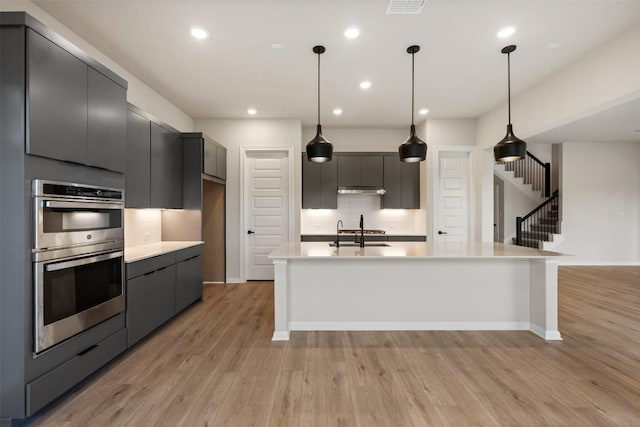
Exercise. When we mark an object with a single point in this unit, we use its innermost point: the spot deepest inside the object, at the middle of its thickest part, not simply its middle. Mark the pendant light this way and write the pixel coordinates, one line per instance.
(511, 148)
(319, 149)
(413, 149)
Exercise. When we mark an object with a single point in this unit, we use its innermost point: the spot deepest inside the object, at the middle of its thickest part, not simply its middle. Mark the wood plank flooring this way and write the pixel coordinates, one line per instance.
(215, 366)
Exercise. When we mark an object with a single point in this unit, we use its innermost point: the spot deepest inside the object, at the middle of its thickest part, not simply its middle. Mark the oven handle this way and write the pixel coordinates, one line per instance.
(90, 260)
(80, 205)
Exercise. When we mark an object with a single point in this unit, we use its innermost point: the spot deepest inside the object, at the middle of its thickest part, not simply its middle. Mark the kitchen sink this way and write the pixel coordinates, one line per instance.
(355, 245)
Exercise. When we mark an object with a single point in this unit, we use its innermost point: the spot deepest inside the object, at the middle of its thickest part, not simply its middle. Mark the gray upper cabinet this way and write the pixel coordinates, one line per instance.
(402, 182)
(221, 162)
(360, 170)
(57, 101)
(319, 184)
(166, 167)
(214, 159)
(138, 173)
(107, 123)
(75, 113)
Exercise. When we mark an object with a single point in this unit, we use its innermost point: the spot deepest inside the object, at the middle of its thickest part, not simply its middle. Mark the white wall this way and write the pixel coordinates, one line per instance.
(604, 77)
(516, 203)
(238, 133)
(138, 94)
(601, 202)
(359, 139)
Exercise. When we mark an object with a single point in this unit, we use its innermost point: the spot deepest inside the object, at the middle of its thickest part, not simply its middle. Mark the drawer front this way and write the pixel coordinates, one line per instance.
(188, 282)
(150, 302)
(56, 382)
(187, 253)
(144, 266)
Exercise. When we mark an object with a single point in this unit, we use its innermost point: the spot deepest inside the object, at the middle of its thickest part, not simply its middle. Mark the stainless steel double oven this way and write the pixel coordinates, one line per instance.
(77, 259)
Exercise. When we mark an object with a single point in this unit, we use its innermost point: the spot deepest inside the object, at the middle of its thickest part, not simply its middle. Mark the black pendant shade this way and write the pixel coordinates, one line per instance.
(413, 149)
(319, 149)
(510, 148)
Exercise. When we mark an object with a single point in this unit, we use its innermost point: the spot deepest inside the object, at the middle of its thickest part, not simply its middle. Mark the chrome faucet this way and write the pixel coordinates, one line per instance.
(338, 232)
(361, 231)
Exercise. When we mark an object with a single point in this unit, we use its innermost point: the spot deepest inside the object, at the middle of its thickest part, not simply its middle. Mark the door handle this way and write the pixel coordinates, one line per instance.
(251, 232)
(442, 232)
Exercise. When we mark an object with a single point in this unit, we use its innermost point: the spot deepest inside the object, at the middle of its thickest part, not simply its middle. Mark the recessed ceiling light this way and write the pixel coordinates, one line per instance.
(337, 111)
(277, 46)
(505, 32)
(553, 45)
(352, 33)
(423, 111)
(199, 33)
(252, 111)
(365, 84)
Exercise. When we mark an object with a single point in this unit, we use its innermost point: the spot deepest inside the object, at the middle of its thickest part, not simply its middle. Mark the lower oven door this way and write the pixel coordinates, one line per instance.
(71, 295)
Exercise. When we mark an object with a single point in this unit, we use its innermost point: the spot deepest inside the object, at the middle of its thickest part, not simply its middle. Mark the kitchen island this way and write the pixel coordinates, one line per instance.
(415, 286)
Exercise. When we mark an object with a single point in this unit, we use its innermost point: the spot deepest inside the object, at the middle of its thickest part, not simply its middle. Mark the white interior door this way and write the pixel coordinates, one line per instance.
(266, 210)
(452, 202)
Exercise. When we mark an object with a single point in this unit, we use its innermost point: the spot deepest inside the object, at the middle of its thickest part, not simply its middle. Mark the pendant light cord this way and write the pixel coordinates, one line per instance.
(413, 68)
(509, 84)
(318, 88)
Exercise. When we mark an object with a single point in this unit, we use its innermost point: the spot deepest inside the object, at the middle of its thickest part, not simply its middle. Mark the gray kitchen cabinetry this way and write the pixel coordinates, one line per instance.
(166, 167)
(75, 113)
(360, 170)
(107, 123)
(319, 184)
(159, 287)
(188, 277)
(154, 163)
(57, 101)
(402, 184)
(214, 159)
(138, 173)
(150, 295)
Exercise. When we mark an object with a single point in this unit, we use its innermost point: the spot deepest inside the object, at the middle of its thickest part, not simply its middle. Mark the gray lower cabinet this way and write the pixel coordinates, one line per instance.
(402, 182)
(319, 184)
(45, 389)
(159, 287)
(166, 167)
(188, 282)
(75, 113)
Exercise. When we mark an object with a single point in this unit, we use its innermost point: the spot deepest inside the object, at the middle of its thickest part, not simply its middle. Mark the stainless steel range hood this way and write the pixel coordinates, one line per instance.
(362, 190)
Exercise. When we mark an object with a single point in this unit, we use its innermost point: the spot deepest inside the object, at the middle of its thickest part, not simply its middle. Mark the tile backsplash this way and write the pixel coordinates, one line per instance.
(142, 226)
(350, 206)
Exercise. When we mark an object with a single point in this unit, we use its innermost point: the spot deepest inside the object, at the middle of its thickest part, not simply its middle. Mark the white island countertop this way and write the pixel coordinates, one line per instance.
(447, 250)
(140, 252)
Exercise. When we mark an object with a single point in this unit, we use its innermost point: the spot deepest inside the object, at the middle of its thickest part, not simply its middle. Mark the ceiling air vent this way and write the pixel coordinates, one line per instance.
(405, 7)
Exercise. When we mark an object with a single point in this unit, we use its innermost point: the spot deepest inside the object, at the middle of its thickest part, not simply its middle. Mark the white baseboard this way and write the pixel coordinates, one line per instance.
(280, 336)
(409, 326)
(213, 283)
(547, 335)
(598, 263)
(234, 280)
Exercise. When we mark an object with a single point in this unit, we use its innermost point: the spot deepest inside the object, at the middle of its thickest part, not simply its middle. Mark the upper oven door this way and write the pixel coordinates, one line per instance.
(68, 222)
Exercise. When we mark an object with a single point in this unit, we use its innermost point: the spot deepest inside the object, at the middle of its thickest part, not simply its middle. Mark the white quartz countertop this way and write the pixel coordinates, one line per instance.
(136, 253)
(291, 250)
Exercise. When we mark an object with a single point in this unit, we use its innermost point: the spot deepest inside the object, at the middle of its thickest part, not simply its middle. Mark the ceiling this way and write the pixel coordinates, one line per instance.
(620, 123)
(459, 70)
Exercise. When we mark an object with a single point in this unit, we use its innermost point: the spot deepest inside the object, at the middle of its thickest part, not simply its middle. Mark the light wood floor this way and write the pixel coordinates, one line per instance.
(215, 365)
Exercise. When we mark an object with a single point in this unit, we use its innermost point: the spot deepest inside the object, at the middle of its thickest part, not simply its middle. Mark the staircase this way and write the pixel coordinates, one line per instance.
(540, 228)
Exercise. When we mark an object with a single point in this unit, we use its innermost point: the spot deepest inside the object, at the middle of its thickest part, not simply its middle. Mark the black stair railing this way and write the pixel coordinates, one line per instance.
(534, 171)
(544, 212)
